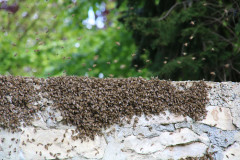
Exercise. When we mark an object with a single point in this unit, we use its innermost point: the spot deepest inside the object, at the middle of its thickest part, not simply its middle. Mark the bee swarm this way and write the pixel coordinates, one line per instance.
(91, 104)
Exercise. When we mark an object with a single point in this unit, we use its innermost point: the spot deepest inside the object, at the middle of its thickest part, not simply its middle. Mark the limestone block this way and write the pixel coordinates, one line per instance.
(141, 131)
(217, 136)
(235, 110)
(182, 125)
(133, 156)
(9, 145)
(167, 127)
(223, 93)
(114, 151)
(124, 132)
(180, 136)
(163, 118)
(219, 117)
(143, 146)
(52, 143)
(151, 145)
(232, 152)
(177, 152)
(237, 137)
(204, 138)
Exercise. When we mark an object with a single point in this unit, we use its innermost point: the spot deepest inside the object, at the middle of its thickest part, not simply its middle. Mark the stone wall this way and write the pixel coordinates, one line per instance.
(163, 136)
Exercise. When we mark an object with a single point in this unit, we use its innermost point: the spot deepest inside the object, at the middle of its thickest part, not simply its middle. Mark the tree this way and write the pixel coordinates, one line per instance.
(186, 39)
(49, 38)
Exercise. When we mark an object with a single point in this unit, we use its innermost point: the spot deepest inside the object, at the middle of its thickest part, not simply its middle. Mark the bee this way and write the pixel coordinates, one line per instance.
(39, 144)
(23, 143)
(96, 152)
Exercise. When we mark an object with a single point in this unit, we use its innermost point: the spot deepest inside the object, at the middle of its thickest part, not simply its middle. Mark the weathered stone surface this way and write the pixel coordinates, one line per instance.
(191, 150)
(151, 145)
(114, 151)
(237, 136)
(143, 146)
(146, 132)
(182, 125)
(40, 144)
(180, 136)
(218, 155)
(219, 117)
(164, 136)
(124, 132)
(223, 93)
(232, 153)
(167, 127)
(226, 94)
(204, 139)
(162, 118)
(235, 110)
(217, 136)
(9, 142)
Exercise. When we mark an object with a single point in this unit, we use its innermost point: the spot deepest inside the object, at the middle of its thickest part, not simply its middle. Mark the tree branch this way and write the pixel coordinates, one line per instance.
(220, 22)
(235, 69)
(169, 11)
(223, 38)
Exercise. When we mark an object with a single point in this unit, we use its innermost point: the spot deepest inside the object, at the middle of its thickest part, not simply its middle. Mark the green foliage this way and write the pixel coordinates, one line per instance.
(48, 38)
(187, 40)
(175, 39)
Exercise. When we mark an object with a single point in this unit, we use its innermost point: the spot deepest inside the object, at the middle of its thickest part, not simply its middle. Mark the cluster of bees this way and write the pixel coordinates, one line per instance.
(17, 95)
(92, 104)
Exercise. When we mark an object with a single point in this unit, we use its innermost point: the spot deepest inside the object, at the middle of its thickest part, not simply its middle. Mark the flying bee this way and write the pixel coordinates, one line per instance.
(220, 109)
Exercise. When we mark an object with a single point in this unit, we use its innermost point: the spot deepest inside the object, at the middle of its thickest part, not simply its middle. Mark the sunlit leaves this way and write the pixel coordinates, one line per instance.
(48, 38)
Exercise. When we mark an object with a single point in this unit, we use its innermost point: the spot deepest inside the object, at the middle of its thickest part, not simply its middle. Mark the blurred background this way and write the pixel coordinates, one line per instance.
(168, 39)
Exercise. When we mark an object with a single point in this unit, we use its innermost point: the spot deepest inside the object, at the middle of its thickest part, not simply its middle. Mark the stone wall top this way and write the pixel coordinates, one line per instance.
(82, 118)
(91, 104)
